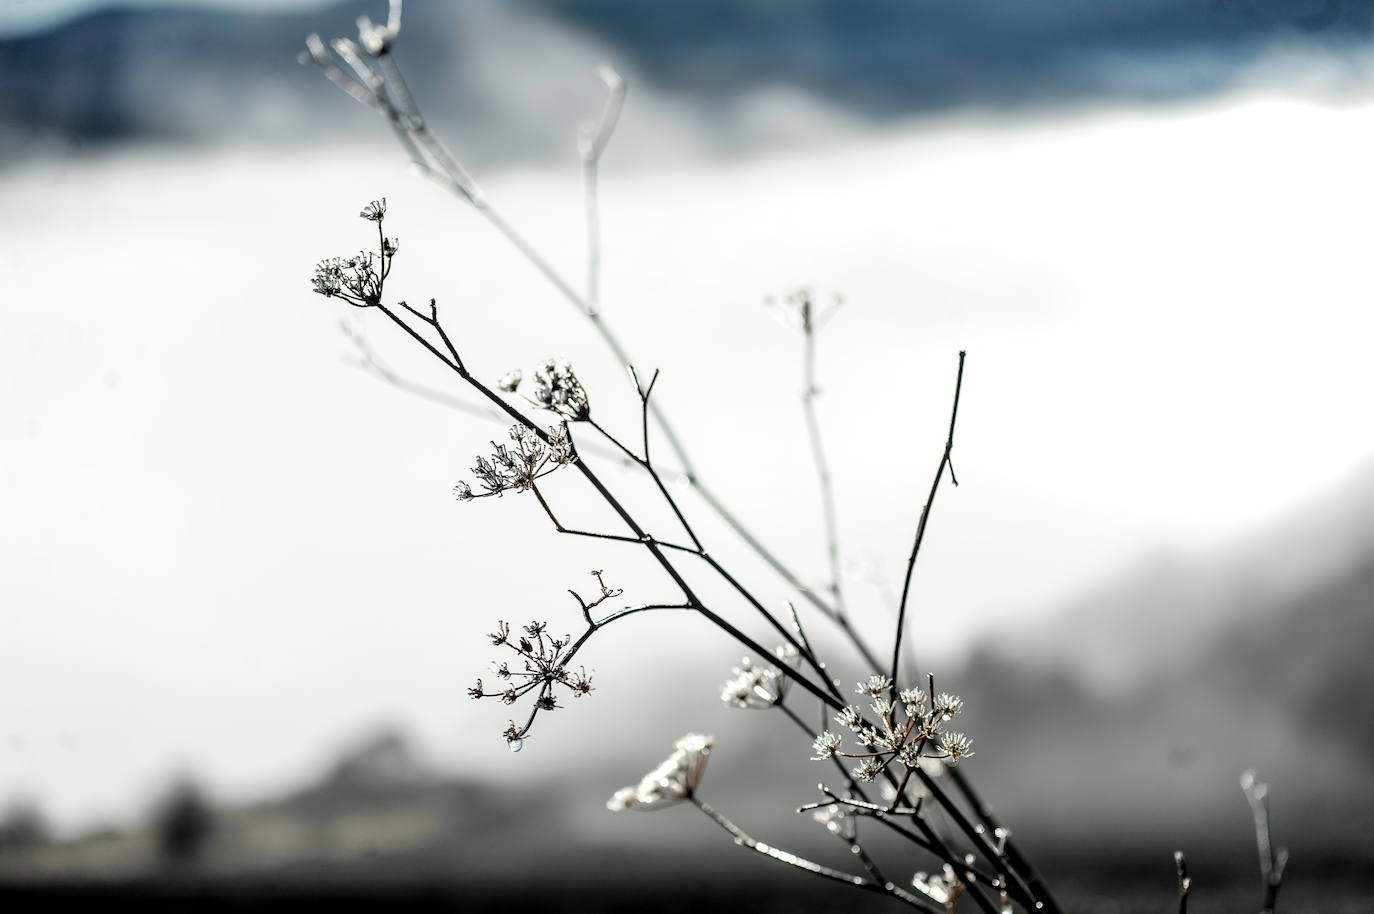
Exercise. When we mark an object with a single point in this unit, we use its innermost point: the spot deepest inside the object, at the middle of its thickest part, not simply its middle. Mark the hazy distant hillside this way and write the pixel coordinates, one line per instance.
(197, 74)
(1257, 660)
(1166, 613)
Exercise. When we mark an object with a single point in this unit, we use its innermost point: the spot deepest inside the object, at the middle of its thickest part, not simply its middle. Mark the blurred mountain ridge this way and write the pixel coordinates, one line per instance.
(1093, 778)
(504, 79)
(1168, 610)
(1255, 656)
(1085, 775)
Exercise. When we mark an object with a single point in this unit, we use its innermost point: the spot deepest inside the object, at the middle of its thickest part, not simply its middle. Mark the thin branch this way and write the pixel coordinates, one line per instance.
(1008, 848)
(431, 158)
(921, 526)
(974, 879)
(1184, 882)
(591, 144)
(1272, 861)
(810, 327)
(825, 872)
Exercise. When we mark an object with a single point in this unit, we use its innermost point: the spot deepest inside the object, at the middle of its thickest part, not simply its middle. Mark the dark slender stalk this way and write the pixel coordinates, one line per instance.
(625, 539)
(1184, 883)
(921, 527)
(981, 841)
(813, 430)
(1272, 862)
(928, 840)
(432, 158)
(825, 872)
(1011, 850)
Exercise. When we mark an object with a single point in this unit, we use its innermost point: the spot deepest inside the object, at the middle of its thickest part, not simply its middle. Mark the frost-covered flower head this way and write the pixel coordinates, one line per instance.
(876, 685)
(374, 211)
(540, 664)
(359, 279)
(556, 388)
(908, 733)
(673, 781)
(753, 686)
(516, 467)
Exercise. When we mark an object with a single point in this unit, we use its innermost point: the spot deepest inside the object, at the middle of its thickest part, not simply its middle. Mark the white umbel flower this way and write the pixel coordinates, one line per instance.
(675, 780)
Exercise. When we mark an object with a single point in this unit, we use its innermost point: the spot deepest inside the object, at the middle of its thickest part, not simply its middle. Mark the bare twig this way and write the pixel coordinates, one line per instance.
(591, 143)
(921, 526)
(811, 324)
(825, 872)
(1184, 882)
(384, 90)
(1272, 861)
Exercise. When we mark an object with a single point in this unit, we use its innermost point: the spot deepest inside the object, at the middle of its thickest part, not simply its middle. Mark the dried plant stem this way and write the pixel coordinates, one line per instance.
(386, 92)
(826, 692)
(592, 628)
(813, 431)
(803, 648)
(1272, 862)
(592, 143)
(810, 866)
(981, 840)
(641, 537)
(921, 525)
(1010, 850)
(1184, 882)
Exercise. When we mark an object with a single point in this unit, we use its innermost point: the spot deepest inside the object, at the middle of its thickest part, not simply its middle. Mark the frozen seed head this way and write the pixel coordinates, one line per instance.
(539, 668)
(948, 704)
(875, 686)
(556, 388)
(675, 780)
(374, 211)
(758, 687)
(354, 279)
(510, 381)
(867, 770)
(515, 469)
(825, 746)
(956, 746)
(907, 731)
